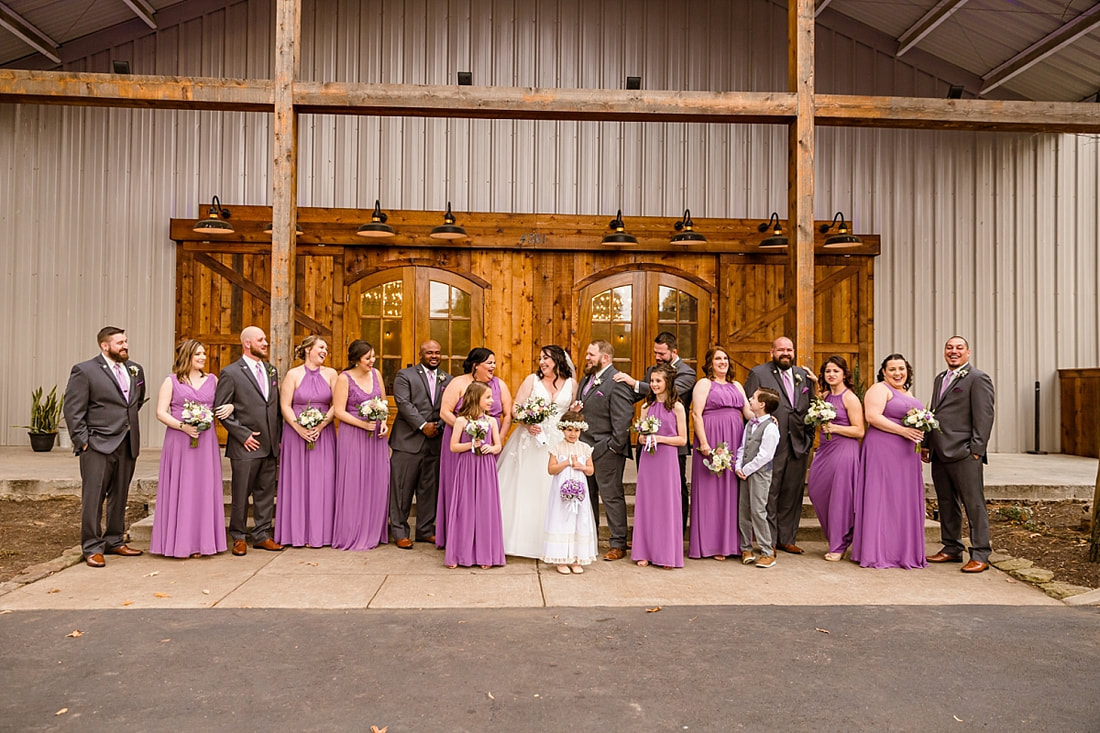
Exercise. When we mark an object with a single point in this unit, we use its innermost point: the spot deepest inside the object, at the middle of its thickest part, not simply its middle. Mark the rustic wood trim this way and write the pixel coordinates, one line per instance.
(645, 267)
(956, 114)
(415, 262)
(800, 174)
(931, 20)
(29, 34)
(1051, 43)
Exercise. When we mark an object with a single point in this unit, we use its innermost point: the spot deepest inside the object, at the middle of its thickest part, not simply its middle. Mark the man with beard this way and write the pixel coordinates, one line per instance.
(102, 400)
(794, 385)
(608, 407)
(254, 430)
(415, 440)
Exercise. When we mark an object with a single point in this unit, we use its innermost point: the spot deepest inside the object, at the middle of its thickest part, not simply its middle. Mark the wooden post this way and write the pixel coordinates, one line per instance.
(288, 23)
(800, 176)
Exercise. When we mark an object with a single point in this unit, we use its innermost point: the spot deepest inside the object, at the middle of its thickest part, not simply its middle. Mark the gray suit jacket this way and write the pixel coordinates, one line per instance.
(609, 411)
(684, 383)
(237, 386)
(966, 416)
(415, 407)
(96, 413)
(790, 417)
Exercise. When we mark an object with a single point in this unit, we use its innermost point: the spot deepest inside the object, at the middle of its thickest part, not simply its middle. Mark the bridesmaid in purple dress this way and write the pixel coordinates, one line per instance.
(718, 411)
(658, 519)
(362, 456)
(479, 366)
(475, 533)
(889, 530)
(189, 519)
(306, 496)
(835, 471)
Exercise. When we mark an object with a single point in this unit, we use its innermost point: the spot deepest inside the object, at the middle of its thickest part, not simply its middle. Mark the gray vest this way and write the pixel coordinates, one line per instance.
(752, 441)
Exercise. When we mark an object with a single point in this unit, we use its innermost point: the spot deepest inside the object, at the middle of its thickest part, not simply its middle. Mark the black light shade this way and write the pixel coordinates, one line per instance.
(269, 228)
(376, 227)
(843, 236)
(448, 230)
(777, 240)
(216, 221)
(687, 235)
(619, 235)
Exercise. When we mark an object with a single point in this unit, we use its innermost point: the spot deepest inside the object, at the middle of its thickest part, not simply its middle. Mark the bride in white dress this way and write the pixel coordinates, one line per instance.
(521, 470)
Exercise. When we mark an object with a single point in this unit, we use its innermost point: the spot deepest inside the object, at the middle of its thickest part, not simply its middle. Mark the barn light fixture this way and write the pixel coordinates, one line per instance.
(619, 235)
(687, 235)
(843, 236)
(448, 230)
(377, 227)
(216, 221)
(777, 240)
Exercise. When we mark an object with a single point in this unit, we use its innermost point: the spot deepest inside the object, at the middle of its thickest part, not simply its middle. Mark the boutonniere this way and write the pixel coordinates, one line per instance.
(439, 377)
(133, 370)
(797, 378)
(962, 373)
(270, 371)
(597, 381)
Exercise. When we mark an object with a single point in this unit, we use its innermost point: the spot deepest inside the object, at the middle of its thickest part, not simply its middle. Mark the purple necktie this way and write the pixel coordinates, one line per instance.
(261, 379)
(431, 384)
(946, 382)
(789, 385)
(123, 382)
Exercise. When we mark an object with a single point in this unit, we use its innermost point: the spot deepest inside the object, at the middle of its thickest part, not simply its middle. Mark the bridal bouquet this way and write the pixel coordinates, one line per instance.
(572, 493)
(198, 416)
(921, 419)
(533, 411)
(478, 430)
(310, 418)
(720, 459)
(820, 412)
(375, 409)
(647, 427)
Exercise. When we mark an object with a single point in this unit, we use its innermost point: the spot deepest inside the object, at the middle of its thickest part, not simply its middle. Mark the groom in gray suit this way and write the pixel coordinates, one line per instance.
(608, 407)
(255, 428)
(962, 399)
(415, 440)
(102, 400)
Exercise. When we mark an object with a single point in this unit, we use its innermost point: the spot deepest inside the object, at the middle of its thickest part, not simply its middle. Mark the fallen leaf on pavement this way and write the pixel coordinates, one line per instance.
(62, 711)
(653, 610)
(162, 595)
(54, 590)
(76, 634)
(311, 564)
(823, 631)
(490, 695)
(149, 575)
(206, 591)
(127, 603)
(376, 729)
(956, 717)
(162, 641)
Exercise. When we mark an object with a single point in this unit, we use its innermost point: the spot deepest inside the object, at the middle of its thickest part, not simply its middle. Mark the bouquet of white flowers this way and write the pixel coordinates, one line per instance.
(198, 416)
(533, 411)
(921, 419)
(478, 430)
(820, 412)
(720, 459)
(647, 427)
(310, 418)
(375, 409)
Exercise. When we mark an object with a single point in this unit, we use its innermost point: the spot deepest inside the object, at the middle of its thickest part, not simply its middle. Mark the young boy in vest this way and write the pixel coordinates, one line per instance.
(754, 468)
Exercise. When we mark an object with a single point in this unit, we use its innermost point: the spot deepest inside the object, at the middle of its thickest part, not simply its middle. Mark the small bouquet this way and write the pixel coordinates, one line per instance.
(198, 416)
(533, 412)
(478, 430)
(921, 419)
(310, 418)
(375, 409)
(820, 412)
(647, 427)
(573, 493)
(720, 459)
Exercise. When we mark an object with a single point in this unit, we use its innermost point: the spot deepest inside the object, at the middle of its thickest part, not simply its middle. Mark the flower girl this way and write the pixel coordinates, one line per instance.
(474, 532)
(570, 537)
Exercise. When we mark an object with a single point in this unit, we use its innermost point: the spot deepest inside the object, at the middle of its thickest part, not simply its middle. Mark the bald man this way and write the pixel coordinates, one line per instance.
(255, 428)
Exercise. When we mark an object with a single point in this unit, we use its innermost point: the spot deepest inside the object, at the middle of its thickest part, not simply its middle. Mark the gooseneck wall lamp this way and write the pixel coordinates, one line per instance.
(777, 240)
(687, 235)
(448, 229)
(843, 236)
(216, 221)
(618, 234)
(377, 227)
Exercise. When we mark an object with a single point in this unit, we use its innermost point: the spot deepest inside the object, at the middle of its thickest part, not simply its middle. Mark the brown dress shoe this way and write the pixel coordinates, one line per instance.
(942, 556)
(793, 549)
(430, 539)
(268, 544)
(405, 543)
(975, 566)
(240, 547)
(615, 553)
(124, 551)
(95, 561)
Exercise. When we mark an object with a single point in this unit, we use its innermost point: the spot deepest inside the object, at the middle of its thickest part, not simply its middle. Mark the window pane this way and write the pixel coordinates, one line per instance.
(460, 303)
(456, 366)
(389, 369)
(601, 332)
(460, 337)
(621, 303)
(391, 338)
(601, 307)
(439, 299)
(687, 338)
(620, 339)
(689, 308)
(439, 332)
(370, 331)
(392, 303)
(371, 303)
(666, 306)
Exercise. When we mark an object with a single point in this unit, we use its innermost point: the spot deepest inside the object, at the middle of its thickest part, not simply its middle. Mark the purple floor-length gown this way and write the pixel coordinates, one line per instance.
(658, 518)
(889, 526)
(190, 512)
(362, 478)
(447, 463)
(306, 498)
(834, 477)
(714, 497)
(475, 533)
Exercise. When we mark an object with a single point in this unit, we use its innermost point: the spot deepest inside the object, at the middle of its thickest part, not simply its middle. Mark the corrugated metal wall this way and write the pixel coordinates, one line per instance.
(988, 235)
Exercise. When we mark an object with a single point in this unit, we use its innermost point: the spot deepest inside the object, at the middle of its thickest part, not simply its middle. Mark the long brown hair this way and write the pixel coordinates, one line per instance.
(185, 352)
(471, 401)
(671, 396)
(708, 363)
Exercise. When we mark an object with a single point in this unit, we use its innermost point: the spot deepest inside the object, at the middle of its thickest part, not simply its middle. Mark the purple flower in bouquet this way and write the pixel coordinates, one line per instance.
(647, 428)
(572, 492)
(198, 416)
(921, 419)
(375, 409)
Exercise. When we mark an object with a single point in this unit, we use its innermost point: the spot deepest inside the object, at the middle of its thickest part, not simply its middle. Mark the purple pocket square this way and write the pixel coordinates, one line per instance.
(598, 392)
(957, 389)
(805, 390)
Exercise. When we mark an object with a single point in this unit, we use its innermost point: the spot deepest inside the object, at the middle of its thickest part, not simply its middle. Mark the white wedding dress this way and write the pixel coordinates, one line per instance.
(523, 479)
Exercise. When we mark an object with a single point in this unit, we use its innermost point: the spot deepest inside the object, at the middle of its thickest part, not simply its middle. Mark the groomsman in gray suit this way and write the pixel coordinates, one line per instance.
(255, 428)
(962, 398)
(795, 387)
(102, 400)
(608, 407)
(415, 440)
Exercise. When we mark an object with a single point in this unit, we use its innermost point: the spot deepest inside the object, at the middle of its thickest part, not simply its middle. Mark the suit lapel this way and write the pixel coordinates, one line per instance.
(250, 376)
(112, 377)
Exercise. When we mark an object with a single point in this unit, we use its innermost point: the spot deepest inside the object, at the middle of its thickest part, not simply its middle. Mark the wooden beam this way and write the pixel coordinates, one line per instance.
(288, 31)
(800, 175)
(931, 20)
(1049, 44)
(820, 5)
(143, 10)
(18, 26)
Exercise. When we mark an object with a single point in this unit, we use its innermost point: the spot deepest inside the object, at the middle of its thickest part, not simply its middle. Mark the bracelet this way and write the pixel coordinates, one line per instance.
(181, 424)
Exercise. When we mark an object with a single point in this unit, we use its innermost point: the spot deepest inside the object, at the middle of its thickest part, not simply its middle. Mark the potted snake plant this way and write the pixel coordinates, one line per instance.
(45, 417)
